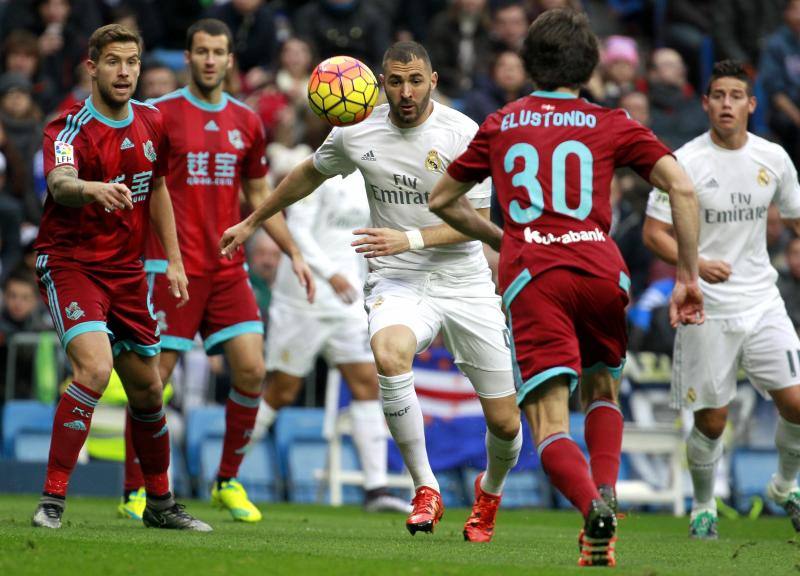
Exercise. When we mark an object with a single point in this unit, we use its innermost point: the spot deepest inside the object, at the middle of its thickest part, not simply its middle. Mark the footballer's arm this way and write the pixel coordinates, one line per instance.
(659, 238)
(686, 302)
(376, 242)
(299, 183)
(448, 202)
(163, 220)
(69, 190)
(257, 191)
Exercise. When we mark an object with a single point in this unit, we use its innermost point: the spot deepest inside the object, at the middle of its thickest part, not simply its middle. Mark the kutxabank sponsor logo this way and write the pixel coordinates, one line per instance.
(569, 237)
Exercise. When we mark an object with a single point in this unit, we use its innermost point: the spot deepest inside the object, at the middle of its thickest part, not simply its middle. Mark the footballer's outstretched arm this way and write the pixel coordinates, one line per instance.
(376, 242)
(163, 219)
(69, 190)
(299, 183)
(448, 202)
(257, 191)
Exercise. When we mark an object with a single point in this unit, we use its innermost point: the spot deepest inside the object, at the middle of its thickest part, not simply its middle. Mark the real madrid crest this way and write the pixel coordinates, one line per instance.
(763, 177)
(433, 162)
(691, 395)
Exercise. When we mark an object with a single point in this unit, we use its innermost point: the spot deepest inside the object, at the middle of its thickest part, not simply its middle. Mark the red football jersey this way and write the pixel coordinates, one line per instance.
(212, 147)
(130, 151)
(551, 157)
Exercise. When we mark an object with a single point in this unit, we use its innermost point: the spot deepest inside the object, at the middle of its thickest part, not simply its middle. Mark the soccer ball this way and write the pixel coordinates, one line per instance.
(342, 90)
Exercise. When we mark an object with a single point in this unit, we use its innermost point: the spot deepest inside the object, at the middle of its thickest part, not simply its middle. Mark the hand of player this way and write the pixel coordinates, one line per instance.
(178, 283)
(110, 195)
(380, 242)
(234, 237)
(304, 276)
(344, 290)
(713, 271)
(686, 304)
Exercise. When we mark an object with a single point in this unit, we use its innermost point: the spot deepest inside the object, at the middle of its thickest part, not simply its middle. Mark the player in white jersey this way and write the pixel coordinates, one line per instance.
(334, 325)
(424, 276)
(736, 175)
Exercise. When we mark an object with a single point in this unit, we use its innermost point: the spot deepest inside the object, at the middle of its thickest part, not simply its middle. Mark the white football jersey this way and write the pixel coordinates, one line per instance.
(400, 167)
(734, 190)
(322, 225)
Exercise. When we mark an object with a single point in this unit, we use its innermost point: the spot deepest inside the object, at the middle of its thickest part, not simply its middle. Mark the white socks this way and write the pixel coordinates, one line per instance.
(787, 440)
(369, 436)
(501, 457)
(404, 417)
(703, 454)
(264, 419)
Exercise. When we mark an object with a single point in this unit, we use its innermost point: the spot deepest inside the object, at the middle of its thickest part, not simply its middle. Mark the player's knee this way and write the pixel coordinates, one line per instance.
(507, 429)
(711, 425)
(280, 396)
(145, 395)
(790, 413)
(250, 378)
(93, 373)
(392, 358)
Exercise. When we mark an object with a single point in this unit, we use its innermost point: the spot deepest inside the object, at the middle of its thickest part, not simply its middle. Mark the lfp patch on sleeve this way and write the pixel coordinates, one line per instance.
(64, 153)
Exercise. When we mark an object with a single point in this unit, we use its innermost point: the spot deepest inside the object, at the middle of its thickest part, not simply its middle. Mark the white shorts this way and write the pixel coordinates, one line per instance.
(707, 357)
(295, 339)
(465, 309)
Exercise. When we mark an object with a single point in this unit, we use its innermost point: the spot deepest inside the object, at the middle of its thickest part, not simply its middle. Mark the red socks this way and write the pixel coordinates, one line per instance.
(134, 479)
(150, 438)
(603, 435)
(568, 471)
(240, 418)
(70, 428)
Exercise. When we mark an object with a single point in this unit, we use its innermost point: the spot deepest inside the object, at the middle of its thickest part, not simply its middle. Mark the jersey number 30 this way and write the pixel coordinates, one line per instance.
(528, 178)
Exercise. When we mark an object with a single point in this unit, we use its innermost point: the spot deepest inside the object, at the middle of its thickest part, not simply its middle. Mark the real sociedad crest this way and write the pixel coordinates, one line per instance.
(150, 151)
(235, 138)
(73, 311)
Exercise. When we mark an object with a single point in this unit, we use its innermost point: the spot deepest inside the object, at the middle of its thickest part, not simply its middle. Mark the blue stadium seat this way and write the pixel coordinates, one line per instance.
(200, 424)
(27, 425)
(293, 425)
(751, 470)
(304, 458)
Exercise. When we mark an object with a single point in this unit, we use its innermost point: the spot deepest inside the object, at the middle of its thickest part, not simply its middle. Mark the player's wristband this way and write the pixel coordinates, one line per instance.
(415, 240)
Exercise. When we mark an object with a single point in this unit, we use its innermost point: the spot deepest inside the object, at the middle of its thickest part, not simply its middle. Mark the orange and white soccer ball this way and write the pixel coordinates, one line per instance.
(342, 90)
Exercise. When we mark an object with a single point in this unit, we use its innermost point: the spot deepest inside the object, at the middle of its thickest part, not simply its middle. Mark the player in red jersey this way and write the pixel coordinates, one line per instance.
(105, 164)
(216, 147)
(552, 157)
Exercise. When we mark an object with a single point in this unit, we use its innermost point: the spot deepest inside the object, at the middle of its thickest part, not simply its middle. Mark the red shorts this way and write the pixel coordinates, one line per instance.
(221, 306)
(113, 300)
(565, 322)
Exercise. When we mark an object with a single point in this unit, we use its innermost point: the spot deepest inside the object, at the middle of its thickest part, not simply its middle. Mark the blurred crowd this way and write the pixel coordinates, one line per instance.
(656, 55)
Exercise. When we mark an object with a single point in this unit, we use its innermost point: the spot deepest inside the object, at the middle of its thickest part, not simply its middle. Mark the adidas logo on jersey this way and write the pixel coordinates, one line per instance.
(369, 156)
(126, 144)
(712, 183)
(211, 126)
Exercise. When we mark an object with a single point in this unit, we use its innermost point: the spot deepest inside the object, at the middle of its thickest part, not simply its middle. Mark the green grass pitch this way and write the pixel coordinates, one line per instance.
(299, 540)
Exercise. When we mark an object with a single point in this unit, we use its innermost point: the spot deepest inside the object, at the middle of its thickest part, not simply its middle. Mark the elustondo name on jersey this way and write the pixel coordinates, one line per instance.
(571, 118)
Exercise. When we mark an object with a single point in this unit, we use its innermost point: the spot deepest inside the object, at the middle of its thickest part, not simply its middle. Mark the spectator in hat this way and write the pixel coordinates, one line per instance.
(619, 64)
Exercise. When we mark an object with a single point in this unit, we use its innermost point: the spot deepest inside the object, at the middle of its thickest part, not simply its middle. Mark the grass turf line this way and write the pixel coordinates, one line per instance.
(307, 539)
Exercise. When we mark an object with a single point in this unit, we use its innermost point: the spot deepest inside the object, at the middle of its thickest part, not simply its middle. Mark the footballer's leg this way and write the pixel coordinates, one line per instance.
(503, 445)
(244, 354)
(783, 487)
(91, 359)
(603, 429)
(394, 348)
(138, 370)
(369, 437)
(546, 408)
(134, 493)
(703, 452)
